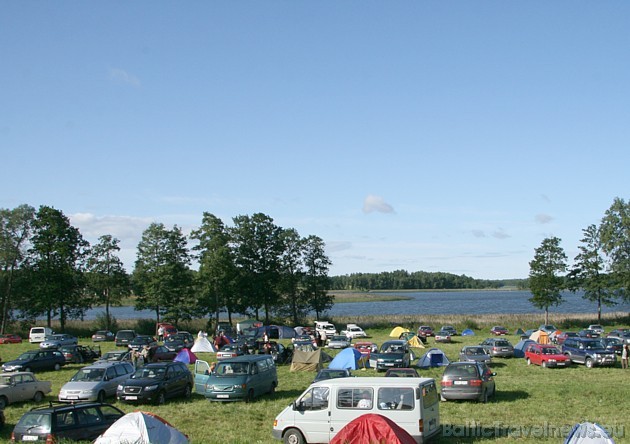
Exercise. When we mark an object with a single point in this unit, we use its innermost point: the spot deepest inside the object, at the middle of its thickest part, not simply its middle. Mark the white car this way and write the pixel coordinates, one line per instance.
(353, 331)
(596, 328)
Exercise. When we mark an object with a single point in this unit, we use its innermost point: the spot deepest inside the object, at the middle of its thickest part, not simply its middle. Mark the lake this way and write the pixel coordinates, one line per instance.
(429, 302)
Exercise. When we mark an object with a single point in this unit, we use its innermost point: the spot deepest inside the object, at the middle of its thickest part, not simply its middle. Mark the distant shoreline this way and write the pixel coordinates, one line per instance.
(352, 296)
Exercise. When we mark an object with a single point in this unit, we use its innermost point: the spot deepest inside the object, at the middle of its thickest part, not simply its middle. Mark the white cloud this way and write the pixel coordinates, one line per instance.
(500, 234)
(543, 218)
(120, 75)
(376, 203)
(478, 233)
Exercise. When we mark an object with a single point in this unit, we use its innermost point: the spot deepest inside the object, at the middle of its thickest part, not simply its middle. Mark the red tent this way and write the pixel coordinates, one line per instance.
(372, 429)
(185, 356)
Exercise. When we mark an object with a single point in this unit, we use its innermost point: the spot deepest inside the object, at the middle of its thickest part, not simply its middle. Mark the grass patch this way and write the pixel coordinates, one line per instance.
(528, 397)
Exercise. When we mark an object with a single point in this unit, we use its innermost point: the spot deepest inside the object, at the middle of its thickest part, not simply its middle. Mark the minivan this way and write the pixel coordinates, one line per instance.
(96, 382)
(39, 334)
(237, 379)
(124, 337)
(319, 413)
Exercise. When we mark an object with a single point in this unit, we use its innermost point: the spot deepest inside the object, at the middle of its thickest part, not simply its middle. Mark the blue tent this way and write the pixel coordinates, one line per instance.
(349, 358)
(468, 332)
(275, 332)
(185, 356)
(519, 349)
(433, 358)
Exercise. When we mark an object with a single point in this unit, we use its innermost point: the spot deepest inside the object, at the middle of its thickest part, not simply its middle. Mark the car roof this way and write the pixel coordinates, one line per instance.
(55, 406)
(103, 364)
(373, 381)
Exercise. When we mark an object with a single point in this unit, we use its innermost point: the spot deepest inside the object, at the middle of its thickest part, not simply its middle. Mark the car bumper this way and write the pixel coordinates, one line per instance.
(468, 394)
(225, 396)
(76, 398)
(558, 364)
(386, 365)
(276, 434)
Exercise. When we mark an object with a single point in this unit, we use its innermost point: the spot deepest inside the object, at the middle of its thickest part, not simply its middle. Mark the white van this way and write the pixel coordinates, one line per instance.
(327, 406)
(39, 334)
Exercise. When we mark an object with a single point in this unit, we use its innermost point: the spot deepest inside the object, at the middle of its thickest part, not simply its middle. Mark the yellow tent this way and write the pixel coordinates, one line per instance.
(396, 332)
(540, 336)
(415, 342)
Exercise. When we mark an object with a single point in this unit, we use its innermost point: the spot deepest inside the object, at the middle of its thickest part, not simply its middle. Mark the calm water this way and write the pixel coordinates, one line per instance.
(439, 302)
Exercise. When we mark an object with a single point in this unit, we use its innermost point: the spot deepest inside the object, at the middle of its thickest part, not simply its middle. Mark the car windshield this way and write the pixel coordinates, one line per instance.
(391, 348)
(475, 351)
(89, 375)
(32, 421)
(27, 356)
(232, 368)
(150, 372)
(338, 338)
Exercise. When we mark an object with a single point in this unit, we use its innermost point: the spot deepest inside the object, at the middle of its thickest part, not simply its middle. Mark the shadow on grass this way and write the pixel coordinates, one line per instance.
(509, 396)
(495, 364)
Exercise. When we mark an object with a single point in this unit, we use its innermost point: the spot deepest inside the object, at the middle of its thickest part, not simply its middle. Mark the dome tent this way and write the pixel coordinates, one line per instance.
(433, 358)
(141, 428)
(372, 428)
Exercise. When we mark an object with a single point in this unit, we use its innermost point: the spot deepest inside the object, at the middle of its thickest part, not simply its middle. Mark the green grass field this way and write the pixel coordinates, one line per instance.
(533, 404)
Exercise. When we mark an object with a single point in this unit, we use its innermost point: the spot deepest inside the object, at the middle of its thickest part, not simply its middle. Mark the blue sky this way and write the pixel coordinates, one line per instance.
(416, 135)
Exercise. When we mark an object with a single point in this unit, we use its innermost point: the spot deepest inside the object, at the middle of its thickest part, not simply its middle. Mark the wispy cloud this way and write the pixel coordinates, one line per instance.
(376, 203)
(120, 75)
(543, 218)
(478, 233)
(500, 234)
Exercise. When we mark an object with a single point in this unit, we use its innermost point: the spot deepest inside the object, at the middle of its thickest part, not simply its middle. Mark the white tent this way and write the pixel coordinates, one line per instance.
(141, 428)
(203, 345)
(588, 432)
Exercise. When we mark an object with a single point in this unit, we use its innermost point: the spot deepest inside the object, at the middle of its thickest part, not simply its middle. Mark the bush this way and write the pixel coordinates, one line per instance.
(145, 326)
(470, 323)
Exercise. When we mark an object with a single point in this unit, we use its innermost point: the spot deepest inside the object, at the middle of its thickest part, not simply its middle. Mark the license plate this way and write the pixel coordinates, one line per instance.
(73, 397)
(460, 382)
(29, 438)
(223, 396)
(131, 398)
(388, 364)
(506, 350)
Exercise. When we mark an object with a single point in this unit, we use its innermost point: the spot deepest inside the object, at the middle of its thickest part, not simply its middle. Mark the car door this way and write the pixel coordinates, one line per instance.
(202, 374)
(40, 362)
(28, 386)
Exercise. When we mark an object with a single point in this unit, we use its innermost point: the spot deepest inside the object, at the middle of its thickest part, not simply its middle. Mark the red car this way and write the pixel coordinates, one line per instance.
(546, 356)
(561, 337)
(366, 348)
(10, 339)
(425, 331)
(497, 330)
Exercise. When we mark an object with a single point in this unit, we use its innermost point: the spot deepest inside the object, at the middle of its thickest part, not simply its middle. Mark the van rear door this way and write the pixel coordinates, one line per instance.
(430, 410)
(202, 374)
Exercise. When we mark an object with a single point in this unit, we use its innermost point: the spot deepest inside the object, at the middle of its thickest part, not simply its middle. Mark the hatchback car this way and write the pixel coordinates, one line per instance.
(450, 329)
(393, 353)
(96, 382)
(366, 348)
(474, 353)
(22, 386)
(103, 336)
(161, 354)
(621, 333)
(36, 360)
(78, 354)
(76, 422)
(330, 373)
(425, 331)
(596, 327)
(137, 343)
(157, 382)
(467, 380)
(498, 347)
(545, 356)
(229, 351)
(339, 342)
(124, 337)
(10, 339)
(563, 336)
(353, 331)
(443, 336)
(57, 341)
(498, 330)
(179, 340)
(586, 333)
(116, 355)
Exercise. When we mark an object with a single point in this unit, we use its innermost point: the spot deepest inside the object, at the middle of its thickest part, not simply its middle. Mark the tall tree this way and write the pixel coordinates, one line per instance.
(217, 269)
(292, 272)
(258, 246)
(57, 262)
(544, 280)
(615, 238)
(316, 280)
(588, 272)
(15, 231)
(106, 277)
(162, 277)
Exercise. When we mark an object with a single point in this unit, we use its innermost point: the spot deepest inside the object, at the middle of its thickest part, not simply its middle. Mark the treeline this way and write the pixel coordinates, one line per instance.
(253, 267)
(404, 280)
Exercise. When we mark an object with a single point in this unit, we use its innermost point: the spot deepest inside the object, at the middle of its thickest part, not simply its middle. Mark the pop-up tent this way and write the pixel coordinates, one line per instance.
(468, 332)
(141, 428)
(372, 428)
(186, 356)
(519, 348)
(519, 332)
(588, 432)
(415, 342)
(304, 361)
(433, 358)
(540, 336)
(349, 358)
(203, 345)
(397, 331)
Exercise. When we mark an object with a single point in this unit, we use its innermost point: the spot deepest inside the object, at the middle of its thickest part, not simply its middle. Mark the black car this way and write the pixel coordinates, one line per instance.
(34, 360)
(78, 354)
(140, 341)
(467, 380)
(179, 340)
(76, 422)
(124, 337)
(612, 344)
(156, 383)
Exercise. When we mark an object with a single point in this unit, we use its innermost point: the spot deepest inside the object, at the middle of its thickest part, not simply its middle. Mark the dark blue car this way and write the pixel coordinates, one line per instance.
(35, 360)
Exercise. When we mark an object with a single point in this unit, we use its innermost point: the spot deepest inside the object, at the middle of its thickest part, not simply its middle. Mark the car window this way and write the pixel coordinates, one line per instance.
(429, 395)
(110, 373)
(64, 420)
(108, 412)
(355, 398)
(395, 398)
(89, 416)
(314, 399)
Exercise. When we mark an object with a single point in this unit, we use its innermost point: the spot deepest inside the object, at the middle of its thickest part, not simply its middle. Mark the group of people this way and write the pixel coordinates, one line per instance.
(141, 356)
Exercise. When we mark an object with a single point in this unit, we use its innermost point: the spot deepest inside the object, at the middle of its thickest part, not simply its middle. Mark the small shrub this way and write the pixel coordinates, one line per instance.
(145, 326)
(470, 323)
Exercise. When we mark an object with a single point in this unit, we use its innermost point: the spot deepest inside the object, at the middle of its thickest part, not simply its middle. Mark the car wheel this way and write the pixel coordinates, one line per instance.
(100, 397)
(250, 396)
(3, 402)
(544, 364)
(57, 366)
(293, 436)
(161, 399)
(38, 397)
(588, 363)
(529, 362)
(187, 392)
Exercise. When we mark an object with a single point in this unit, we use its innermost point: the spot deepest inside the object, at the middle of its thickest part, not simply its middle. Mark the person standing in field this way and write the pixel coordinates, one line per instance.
(624, 355)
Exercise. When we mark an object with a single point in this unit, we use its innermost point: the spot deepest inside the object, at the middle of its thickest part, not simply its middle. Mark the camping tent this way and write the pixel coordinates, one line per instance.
(186, 356)
(588, 432)
(141, 428)
(519, 332)
(468, 332)
(433, 358)
(397, 331)
(540, 336)
(349, 358)
(203, 345)
(306, 360)
(372, 428)
(275, 332)
(415, 342)
(519, 348)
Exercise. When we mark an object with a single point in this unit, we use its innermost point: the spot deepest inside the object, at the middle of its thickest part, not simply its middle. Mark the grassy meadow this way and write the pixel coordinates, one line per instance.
(532, 404)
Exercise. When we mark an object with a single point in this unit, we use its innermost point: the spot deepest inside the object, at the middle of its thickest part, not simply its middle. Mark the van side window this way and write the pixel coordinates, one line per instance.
(314, 399)
(396, 398)
(429, 395)
(355, 398)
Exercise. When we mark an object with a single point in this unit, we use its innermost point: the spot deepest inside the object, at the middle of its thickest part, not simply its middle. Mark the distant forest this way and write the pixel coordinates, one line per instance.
(418, 280)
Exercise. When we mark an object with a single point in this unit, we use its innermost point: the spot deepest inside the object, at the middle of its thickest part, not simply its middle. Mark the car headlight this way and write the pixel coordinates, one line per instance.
(380, 360)
(552, 360)
(120, 387)
(399, 360)
(149, 388)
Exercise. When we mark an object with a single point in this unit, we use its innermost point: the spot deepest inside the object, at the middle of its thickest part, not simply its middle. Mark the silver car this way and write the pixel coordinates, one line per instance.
(498, 347)
(96, 382)
(57, 341)
(474, 353)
